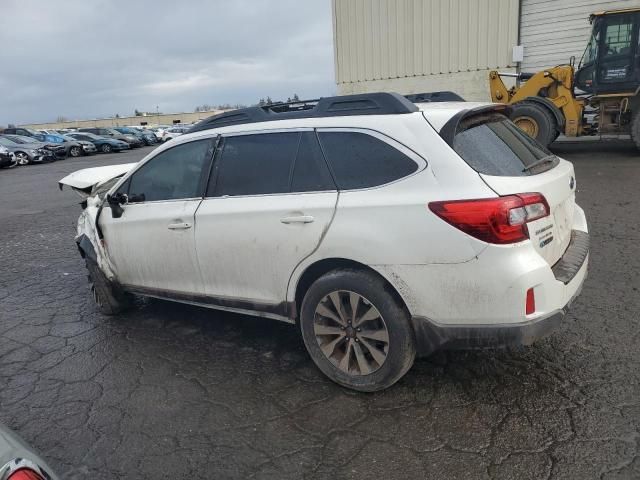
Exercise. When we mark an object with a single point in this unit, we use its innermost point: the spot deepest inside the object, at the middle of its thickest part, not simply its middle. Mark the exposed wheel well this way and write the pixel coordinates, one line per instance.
(321, 267)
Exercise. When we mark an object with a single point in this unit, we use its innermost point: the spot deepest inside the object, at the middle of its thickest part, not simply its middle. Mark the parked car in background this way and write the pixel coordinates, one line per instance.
(88, 148)
(103, 144)
(56, 148)
(18, 461)
(26, 153)
(132, 140)
(7, 158)
(173, 132)
(27, 132)
(71, 147)
(159, 130)
(148, 138)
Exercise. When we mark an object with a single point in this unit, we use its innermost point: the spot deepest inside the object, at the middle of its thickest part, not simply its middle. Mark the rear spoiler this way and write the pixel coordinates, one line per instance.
(449, 129)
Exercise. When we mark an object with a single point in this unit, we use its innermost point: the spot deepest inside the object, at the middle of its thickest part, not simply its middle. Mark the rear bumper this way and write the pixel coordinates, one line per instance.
(570, 272)
(431, 336)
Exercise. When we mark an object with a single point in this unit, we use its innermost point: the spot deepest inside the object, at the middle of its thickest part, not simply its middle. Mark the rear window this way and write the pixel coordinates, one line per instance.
(492, 144)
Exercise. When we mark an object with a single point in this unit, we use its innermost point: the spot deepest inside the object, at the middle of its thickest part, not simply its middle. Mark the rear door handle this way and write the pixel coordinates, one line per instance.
(179, 226)
(297, 219)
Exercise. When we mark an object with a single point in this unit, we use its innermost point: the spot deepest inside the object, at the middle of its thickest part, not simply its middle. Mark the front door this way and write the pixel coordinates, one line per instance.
(270, 199)
(152, 245)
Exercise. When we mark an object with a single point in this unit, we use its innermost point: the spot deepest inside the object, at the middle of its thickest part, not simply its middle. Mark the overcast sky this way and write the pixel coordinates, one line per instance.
(87, 59)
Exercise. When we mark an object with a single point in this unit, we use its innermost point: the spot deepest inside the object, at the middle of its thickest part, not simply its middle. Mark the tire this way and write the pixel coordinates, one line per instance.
(635, 129)
(535, 120)
(367, 368)
(22, 158)
(105, 148)
(75, 151)
(109, 299)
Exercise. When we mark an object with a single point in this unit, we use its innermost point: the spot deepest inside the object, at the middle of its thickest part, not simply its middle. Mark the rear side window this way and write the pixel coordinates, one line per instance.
(256, 164)
(359, 160)
(493, 145)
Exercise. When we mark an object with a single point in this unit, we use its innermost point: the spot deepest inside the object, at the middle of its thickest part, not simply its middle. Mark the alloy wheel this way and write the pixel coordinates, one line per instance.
(22, 158)
(351, 332)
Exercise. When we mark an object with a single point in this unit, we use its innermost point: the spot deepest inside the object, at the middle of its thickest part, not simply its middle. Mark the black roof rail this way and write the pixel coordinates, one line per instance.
(380, 103)
(425, 97)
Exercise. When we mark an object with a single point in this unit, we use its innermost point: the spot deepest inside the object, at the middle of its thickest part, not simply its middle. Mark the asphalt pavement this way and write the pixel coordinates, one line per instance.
(173, 391)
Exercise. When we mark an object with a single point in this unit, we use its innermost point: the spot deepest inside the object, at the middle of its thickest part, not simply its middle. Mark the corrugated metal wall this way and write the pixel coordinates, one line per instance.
(383, 39)
(554, 30)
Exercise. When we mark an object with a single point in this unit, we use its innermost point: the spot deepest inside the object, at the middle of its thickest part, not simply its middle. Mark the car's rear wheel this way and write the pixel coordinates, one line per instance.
(22, 158)
(105, 148)
(75, 151)
(109, 299)
(356, 330)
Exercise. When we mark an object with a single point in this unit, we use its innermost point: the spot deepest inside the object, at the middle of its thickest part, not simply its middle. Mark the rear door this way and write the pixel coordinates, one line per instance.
(270, 199)
(510, 162)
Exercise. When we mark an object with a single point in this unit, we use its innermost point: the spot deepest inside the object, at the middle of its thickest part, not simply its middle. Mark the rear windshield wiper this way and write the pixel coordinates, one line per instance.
(547, 159)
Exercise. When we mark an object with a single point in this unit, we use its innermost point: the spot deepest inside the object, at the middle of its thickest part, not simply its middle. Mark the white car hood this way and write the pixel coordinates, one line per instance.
(83, 181)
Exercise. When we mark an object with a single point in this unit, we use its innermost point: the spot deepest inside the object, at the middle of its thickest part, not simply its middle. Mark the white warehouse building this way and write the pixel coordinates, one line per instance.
(415, 46)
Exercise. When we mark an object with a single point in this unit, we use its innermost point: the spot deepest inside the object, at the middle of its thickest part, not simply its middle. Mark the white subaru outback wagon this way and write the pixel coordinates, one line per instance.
(382, 228)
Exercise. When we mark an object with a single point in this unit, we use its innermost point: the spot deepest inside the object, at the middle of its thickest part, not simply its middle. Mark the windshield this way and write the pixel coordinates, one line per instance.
(115, 132)
(492, 144)
(591, 52)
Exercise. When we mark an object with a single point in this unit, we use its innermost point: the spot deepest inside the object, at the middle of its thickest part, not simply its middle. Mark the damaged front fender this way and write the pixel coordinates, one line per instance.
(88, 239)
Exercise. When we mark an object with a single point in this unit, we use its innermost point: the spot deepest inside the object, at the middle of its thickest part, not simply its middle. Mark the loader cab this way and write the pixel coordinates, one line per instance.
(611, 61)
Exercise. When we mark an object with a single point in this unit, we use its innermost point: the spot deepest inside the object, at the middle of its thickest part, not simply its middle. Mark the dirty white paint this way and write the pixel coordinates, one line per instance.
(237, 248)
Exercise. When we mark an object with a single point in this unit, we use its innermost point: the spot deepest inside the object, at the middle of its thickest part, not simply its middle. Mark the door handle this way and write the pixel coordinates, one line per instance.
(297, 219)
(179, 226)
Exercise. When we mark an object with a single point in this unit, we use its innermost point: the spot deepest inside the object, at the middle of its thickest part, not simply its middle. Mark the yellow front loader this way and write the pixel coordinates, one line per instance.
(600, 97)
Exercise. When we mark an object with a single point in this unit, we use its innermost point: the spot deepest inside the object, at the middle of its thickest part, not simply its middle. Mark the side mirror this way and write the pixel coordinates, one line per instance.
(115, 201)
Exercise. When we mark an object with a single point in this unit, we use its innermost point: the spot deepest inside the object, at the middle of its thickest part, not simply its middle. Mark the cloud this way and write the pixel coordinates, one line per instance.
(86, 59)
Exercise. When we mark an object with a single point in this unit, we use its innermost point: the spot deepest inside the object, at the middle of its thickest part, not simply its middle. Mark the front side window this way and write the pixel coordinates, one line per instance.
(174, 174)
(359, 160)
(255, 164)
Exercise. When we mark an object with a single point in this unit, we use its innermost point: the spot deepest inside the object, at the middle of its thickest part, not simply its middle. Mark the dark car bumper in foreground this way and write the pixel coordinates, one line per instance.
(432, 336)
(7, 160)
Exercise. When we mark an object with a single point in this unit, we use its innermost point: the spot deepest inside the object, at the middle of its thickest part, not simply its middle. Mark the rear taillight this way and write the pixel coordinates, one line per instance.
(25, 474)
(494, 220)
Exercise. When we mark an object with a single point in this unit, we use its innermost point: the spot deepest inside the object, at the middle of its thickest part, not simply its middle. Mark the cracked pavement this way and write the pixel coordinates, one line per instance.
(173, 391)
